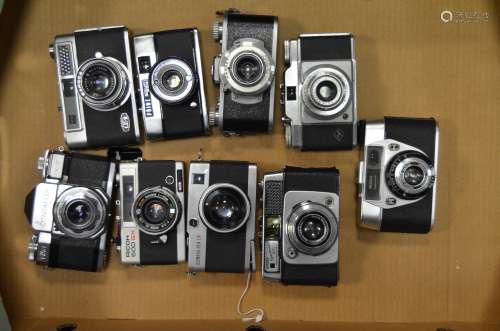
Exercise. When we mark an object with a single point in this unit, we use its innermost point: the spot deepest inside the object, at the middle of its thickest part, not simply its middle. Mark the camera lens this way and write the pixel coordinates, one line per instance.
(155, 211)
(99, 81)
(103, 83)
(248, 69)
(225, 208)
(78, 213)
(172, 80)
(414, 175)
(326, 91)
(410, 175)
(313, 229)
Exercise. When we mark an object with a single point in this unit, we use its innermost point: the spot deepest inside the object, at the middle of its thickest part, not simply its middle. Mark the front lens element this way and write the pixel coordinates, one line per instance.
(78, 213)
(99, 81)
(248, 69)
(225, 208)
(313, 229)
(172, 80)
(414, 175)
(326, 91)
(155, 211)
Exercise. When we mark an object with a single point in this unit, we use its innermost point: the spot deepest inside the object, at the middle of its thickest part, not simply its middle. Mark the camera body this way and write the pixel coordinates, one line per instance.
(300, 244)
(245, 71)
(319, 92)
(172, 90)
(150, 212)
(398, 175)
(97, 99)
(69, 211)
(221, 216)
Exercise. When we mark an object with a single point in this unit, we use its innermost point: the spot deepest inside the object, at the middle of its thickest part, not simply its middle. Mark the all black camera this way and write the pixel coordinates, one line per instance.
(171, 85)
(97, 99)
(245, 71)
(300, 243)
(398, 175)
(69, 211)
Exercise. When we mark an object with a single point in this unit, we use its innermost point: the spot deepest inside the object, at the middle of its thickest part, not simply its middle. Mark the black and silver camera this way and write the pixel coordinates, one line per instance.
(319, 92)
(300, 243)
(97, 99)
(397, 175)
(221, 216)
(69, 211)
(245, 71)
(172, 90)
(150, 212)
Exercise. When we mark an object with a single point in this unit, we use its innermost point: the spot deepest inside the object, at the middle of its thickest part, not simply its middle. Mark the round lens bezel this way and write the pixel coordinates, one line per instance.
(315, 242)
(165, 94)
(396, 168)
(162, 194)
(299, 213)
(241, 48)
(316, 104)
(98, 212)
(122, 85)
(205, 219)
(235, 72)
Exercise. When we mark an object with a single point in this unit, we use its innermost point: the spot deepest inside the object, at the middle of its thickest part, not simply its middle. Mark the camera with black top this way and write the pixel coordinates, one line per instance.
(221, 216)
(172, 91)
(398, 174)
(150, 212)
(245, 71)
(300, 243)
(70, 211)
(95, 80)
(319, 92)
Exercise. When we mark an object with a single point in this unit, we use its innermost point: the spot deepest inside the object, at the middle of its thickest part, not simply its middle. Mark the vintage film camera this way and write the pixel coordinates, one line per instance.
(245, 70)
(221, 216)
(300, 243)
(97, 99)
(172, 91)
(319, 92)
(150, 212)
(398, 174)
(69, 211)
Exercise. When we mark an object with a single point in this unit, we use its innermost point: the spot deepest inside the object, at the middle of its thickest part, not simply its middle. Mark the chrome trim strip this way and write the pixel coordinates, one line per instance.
(434, 189)
(199, 70)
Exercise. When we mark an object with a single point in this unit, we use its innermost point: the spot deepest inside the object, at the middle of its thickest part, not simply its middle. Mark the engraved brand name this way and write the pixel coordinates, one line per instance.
(197, 252)
(130, 248)
(45, 208)
(148, 107)
(125, 122)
